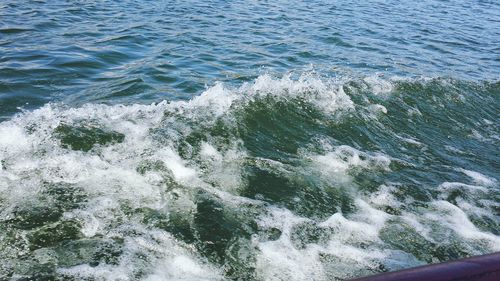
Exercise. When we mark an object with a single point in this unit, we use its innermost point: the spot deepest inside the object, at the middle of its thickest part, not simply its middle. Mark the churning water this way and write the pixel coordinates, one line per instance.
(246, 140)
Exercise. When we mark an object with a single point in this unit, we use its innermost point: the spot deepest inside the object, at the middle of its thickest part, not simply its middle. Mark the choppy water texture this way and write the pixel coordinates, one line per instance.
(246, 140)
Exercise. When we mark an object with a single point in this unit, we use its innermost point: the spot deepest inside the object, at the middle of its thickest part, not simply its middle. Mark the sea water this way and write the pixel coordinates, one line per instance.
(246, 140)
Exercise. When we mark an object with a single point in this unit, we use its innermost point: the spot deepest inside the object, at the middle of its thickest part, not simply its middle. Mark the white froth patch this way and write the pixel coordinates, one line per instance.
(177, 165)
(282, 219)
(447, 187)
(102, 272)
(279, 260)
(177, 261)
(222, 169)
(90, 224)
(414, 112)
(171, 261)
(479, 178)
(361, 226)
(384, 197)
(469, 208)
(217, 98)
(339, 162)
(208, 151)
(454, 218)
(377, 109)
(414, 221)
(12, 138)
(111, 182)
(355, 257)
(282, 259)
(336, 101)
(183, 268)
(350, 230)
(109, 178)
(378, 85)
(329, 98)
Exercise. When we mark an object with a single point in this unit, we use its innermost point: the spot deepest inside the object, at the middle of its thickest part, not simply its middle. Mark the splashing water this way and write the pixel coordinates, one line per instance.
(280, 178)
(246, 140)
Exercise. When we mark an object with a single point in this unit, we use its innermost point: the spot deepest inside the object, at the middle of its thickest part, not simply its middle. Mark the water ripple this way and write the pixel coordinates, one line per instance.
(73, 46)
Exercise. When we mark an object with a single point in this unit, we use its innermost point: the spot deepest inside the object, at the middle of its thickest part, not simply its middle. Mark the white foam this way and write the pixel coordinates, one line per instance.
(183, 268)
(173, 161)
(338, 163)
(377, 108)
(12, 138)
(330, 98)
(410, 140)
(109, 177)
(479, 178)
(384, 197)
(414, 111)
(446, 187)
(103, 272)
(378, 85)
(413, 220)
(470, 208)
(207, 150)
(217, 98)
(454, 218)
(281, 258)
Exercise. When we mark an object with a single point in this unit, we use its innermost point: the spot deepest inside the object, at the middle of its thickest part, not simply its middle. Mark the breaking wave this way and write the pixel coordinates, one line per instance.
(278, 179)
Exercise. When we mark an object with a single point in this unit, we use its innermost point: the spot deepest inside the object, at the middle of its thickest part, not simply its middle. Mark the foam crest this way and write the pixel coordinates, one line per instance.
(110, 156)
(456, 219)
(378, 85)
(333, 248)
(219, 187)
(479, 178)
(327, 96)
(344, 159)
(108, 177)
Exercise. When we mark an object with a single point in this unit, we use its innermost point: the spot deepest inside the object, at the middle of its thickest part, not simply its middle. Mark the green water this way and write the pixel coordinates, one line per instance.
(246, 140)
(279, 178)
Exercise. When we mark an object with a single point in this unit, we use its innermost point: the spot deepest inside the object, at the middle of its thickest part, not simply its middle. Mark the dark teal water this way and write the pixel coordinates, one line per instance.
(246, 140)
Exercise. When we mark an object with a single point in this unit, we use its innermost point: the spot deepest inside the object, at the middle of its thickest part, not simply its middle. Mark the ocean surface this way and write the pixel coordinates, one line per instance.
(246, 140)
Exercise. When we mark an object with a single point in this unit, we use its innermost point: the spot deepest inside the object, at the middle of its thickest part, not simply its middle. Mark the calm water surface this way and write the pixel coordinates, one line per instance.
(246, 140)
